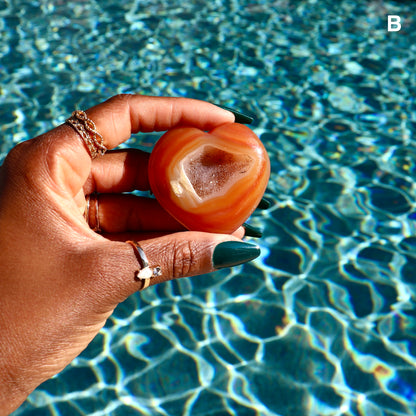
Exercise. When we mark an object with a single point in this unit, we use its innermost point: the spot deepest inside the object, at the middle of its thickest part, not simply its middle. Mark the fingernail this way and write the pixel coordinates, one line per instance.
(233, 253)
(240, 117)
(251, 231)
(264, 204)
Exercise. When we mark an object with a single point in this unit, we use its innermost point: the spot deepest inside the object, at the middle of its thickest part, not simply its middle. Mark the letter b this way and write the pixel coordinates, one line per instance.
(393, 23)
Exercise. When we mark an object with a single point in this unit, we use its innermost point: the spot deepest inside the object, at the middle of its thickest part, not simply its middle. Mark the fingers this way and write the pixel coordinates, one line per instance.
(148, 235)
(122, 115)
(192, 253)
(116, 215)
(120, 213)
(172, 256)
(122, 217)
(61, 159)
(119, 171)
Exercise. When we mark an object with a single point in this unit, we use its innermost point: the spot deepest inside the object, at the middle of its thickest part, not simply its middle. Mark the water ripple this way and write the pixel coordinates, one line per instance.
(323, 322)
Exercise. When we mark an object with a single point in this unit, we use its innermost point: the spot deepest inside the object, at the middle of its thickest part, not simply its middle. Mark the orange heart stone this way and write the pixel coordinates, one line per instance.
(209, 181)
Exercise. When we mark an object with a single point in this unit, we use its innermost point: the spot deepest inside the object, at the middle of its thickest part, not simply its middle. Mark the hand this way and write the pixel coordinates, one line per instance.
(60, 280)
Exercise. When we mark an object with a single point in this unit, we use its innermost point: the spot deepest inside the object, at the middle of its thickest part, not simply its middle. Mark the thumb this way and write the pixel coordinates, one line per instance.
(190, 253)
(171, 256)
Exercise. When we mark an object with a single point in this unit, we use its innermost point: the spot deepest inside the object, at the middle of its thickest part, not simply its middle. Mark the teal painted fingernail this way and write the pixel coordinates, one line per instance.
(233, 253)
(240, 117)
(251, 231)
(264, 204)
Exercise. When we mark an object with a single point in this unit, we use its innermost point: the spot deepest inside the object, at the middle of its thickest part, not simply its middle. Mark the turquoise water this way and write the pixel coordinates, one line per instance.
(323, 323)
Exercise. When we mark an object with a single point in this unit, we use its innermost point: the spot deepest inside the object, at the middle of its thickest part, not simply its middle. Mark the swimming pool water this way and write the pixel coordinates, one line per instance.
(323, 323)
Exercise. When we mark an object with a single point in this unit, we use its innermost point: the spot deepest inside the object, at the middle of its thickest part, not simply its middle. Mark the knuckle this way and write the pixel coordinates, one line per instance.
(184, 260)
(19, 163)
(120, 98)
(16, 155)
(29, 162)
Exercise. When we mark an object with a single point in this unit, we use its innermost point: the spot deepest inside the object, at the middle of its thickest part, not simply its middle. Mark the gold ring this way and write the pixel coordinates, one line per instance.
(92, 201)
(146, 273)
(85, 127)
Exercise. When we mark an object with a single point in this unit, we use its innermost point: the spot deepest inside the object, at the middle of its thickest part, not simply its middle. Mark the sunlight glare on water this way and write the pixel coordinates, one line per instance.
(323, 322)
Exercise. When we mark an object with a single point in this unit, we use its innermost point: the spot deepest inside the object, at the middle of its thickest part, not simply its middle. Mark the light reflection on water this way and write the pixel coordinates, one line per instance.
(324, 321)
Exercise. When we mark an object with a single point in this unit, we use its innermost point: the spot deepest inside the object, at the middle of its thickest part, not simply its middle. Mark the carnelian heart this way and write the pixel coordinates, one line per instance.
(209, 181)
